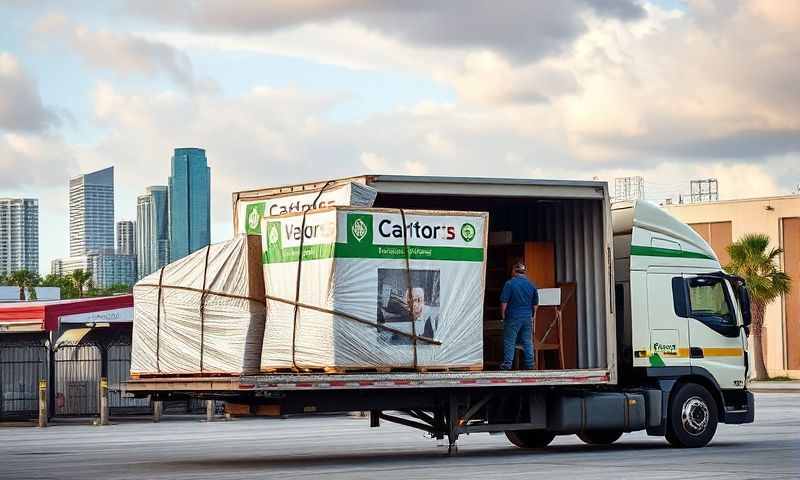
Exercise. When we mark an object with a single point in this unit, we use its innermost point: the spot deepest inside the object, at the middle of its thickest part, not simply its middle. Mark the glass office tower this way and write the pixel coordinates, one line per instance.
(189, 202)
(152, 229)
(91, 213)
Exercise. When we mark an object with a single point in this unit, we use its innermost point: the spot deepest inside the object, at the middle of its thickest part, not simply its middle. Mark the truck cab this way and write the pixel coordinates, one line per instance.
(682, 324)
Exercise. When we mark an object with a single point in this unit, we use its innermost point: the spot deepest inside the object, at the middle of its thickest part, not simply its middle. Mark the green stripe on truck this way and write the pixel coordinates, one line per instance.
(642, 251)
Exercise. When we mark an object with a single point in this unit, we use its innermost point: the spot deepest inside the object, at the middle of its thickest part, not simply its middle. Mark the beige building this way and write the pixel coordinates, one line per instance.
(722, 222)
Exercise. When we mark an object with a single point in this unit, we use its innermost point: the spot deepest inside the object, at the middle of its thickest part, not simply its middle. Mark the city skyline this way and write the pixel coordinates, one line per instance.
(92, 233)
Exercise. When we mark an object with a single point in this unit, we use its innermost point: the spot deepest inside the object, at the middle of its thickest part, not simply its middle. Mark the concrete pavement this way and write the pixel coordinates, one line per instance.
(775, 386)
(345, 447)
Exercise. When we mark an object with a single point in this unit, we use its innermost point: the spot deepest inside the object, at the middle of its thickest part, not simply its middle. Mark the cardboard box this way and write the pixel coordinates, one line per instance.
(353, 276)
(249, 212)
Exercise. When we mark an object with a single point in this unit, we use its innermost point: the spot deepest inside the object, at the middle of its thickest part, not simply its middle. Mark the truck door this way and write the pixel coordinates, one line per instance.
(715, 336)
(669, 332)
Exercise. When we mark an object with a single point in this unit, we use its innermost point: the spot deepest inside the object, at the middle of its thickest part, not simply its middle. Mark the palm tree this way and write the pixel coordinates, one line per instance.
(754, 261)
(80, 278)
(24, 279)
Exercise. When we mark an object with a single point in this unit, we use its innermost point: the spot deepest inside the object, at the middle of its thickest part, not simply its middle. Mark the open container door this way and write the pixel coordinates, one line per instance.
(561, 230)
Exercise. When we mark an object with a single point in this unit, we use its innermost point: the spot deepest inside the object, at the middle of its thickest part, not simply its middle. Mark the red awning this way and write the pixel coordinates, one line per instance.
(43, 316)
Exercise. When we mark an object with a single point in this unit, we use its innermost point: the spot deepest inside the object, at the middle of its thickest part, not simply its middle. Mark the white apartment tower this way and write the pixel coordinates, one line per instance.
(19, 235)
(91, 213)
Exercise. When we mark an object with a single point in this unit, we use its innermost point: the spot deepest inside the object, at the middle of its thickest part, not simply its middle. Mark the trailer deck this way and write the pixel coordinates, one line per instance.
(358, 381)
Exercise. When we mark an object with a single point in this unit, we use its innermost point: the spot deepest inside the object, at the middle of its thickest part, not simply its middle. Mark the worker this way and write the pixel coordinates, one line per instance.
(519, 300)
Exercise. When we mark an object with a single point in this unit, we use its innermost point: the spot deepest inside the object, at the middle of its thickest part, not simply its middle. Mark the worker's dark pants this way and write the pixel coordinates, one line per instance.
(517, 331)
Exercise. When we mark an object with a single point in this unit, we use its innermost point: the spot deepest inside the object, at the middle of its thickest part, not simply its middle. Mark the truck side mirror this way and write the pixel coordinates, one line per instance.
(744, 305)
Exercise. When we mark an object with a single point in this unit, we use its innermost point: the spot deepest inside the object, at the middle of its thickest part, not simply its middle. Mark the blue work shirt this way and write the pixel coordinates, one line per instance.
(521, 296)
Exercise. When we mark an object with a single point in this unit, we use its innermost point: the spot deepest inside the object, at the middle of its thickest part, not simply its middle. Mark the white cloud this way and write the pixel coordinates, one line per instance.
(521, 31)
(119, 51)
(21, 107)
(32, 161)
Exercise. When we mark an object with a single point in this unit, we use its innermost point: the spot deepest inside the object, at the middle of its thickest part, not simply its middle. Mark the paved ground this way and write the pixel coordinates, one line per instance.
(345, 447)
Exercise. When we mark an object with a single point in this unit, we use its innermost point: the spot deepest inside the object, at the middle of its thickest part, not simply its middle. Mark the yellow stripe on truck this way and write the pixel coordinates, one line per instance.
(723, 352)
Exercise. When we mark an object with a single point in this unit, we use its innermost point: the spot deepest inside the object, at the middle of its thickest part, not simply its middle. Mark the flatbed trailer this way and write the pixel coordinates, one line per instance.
(440, 403)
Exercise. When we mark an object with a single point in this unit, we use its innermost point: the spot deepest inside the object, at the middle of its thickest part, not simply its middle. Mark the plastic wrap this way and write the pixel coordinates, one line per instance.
(249, 213)
(354, 284)
(226, 337)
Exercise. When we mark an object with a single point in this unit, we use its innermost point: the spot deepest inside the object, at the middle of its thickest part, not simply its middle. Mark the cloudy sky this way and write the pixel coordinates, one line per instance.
(280, 91)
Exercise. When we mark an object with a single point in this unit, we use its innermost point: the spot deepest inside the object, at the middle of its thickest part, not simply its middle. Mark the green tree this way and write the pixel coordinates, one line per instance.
(82, 281)
(757, 263)
(65, 284)
(24, 279)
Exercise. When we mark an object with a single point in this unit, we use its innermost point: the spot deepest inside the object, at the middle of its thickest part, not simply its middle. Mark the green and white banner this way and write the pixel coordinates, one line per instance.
(249, 213)
(374, 234)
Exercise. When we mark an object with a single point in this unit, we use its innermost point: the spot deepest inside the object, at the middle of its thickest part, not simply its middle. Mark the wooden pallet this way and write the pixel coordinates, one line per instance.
(138, 375)
(344, 370)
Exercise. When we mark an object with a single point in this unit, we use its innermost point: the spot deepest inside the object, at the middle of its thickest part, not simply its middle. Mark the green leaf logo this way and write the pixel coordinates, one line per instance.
(359, 229)
(274, 234)
(468, 232)
(254, 214)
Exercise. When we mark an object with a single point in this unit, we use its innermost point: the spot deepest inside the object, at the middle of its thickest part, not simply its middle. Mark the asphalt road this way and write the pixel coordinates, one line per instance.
(345, 447)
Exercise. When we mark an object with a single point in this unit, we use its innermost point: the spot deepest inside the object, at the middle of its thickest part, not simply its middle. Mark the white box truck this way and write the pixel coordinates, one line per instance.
(660, 329)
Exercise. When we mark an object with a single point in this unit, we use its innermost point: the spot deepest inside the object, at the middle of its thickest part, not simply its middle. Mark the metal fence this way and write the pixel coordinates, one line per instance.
(119, 367)
(23, 362)
(77, 387)
(74, 387)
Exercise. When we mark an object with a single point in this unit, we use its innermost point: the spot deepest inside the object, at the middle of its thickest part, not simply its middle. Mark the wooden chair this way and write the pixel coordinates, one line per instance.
(552, 333)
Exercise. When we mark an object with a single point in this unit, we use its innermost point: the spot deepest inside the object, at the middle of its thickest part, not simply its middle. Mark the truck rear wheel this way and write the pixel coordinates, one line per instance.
(693, 417)
(600, 437)
(530, 438)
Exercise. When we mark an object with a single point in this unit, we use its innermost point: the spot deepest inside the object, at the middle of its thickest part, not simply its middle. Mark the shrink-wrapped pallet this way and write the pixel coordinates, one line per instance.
(250, 212)
(360, 289)
(201, 314)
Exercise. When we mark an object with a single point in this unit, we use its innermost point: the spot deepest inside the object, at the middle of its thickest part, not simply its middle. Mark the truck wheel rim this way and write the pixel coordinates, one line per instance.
(694, 416)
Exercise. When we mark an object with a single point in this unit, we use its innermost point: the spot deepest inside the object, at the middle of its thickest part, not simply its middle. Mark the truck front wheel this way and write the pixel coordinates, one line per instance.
(600, 437)
(530, 438)
(692, 419)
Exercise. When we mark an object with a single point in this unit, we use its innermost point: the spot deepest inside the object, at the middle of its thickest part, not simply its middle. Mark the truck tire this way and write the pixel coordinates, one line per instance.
(692, 418)
(530, 438)
(600, 437)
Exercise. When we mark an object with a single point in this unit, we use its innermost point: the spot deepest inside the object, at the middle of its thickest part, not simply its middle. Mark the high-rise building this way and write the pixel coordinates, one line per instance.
(152, 230)
(19, 235)
(189, 202)
(91, 213)
(126, 237)
(106, 269)
(91, 233)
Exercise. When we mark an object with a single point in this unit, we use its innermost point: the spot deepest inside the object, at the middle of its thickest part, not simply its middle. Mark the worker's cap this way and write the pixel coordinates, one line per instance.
(519, 268)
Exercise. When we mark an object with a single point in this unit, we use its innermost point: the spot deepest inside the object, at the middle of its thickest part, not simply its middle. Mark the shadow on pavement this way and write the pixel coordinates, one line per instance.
(311, 459)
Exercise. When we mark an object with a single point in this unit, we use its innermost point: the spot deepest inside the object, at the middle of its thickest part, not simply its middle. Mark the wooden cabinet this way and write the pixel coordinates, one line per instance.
(540, 260)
